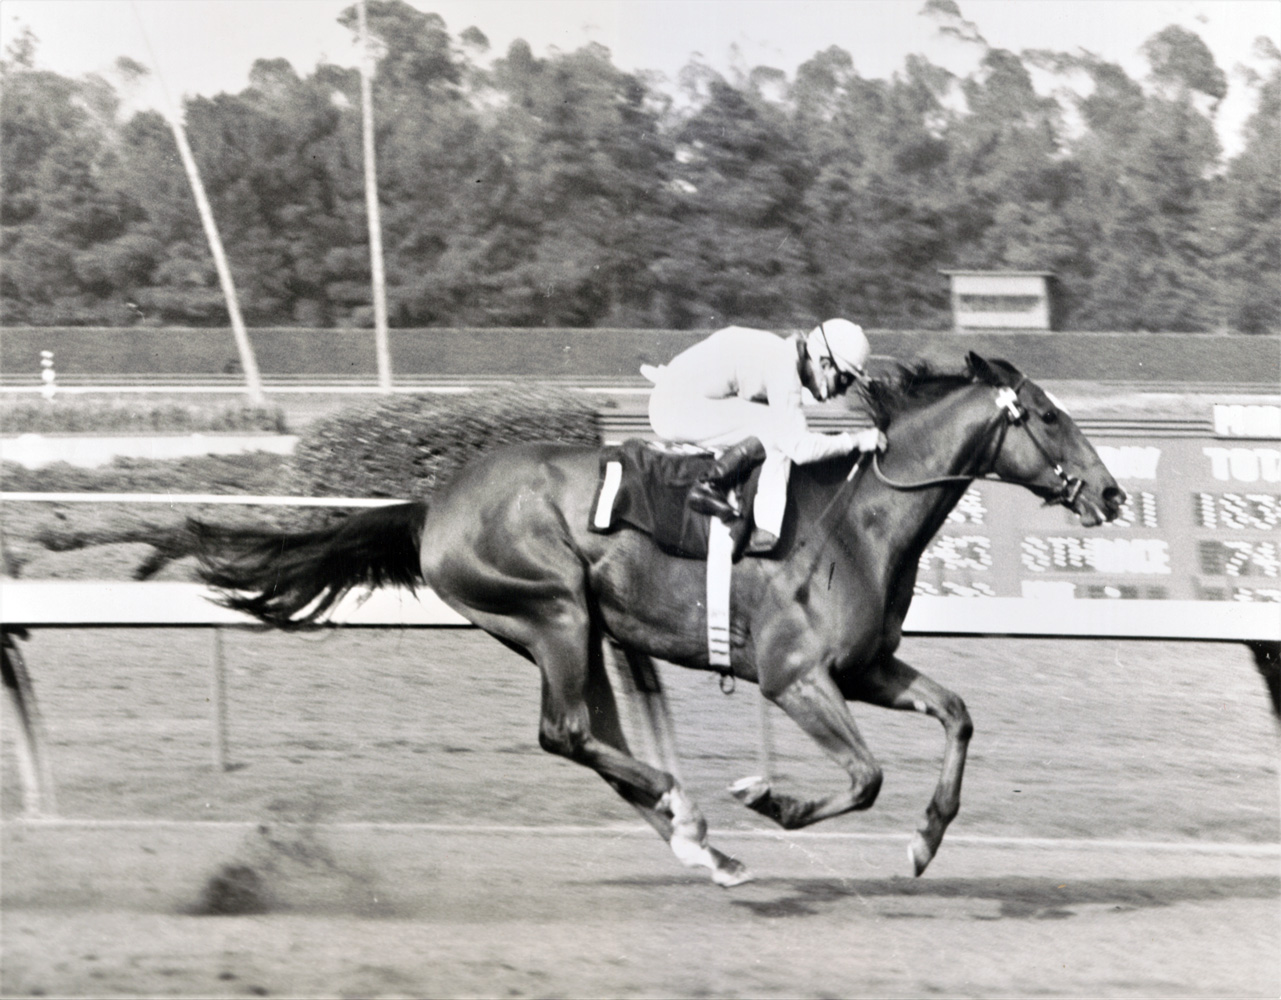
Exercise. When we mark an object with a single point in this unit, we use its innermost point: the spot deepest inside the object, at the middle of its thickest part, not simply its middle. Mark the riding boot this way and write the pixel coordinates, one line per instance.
(710, 494)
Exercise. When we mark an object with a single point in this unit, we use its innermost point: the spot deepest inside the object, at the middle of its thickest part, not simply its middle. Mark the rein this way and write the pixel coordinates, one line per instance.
(1006, 399)
(920, 484)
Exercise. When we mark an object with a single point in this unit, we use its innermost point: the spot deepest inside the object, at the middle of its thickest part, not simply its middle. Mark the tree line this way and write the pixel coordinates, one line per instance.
(560, 190)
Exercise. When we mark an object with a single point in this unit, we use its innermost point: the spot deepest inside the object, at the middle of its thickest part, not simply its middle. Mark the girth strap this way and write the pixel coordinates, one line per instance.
(720, 552)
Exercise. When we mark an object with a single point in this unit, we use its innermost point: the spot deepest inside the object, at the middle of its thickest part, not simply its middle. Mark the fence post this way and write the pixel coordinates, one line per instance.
(765, 747)
(218, 697)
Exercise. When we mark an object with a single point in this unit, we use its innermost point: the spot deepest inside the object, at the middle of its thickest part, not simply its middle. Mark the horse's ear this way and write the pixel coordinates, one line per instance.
(983, 370)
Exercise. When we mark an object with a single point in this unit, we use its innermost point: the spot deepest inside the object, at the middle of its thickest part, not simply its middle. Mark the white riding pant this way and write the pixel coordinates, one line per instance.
(723, 423)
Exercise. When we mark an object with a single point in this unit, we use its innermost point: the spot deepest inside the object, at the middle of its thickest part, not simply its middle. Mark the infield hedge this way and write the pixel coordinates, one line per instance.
(73, 416)
(406, 446)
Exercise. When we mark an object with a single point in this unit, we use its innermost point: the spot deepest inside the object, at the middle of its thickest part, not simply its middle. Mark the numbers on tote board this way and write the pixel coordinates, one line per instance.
(1237, 511)
(1239, 558)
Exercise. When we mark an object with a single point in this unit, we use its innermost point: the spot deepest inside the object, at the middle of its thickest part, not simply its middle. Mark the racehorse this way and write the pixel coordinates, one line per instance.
(506, 544)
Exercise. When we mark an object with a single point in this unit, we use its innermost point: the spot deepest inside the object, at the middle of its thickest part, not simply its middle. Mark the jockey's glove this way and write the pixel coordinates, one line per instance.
(869, 440)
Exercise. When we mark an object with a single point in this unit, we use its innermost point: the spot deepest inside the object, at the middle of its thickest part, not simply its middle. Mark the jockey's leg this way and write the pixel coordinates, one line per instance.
(710, 495)
(771, 501)
(721, 424)
(724, 423)
(709, 423)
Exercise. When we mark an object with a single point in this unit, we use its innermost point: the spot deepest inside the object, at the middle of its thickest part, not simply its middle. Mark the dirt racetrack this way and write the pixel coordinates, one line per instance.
(396, 912)
(1118, 835)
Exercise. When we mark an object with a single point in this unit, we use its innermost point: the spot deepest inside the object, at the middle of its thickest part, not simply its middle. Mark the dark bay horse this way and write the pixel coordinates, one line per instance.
(507, 545)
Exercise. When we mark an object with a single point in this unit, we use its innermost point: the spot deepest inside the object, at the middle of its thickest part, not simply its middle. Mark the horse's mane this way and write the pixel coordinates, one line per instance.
(910, 385)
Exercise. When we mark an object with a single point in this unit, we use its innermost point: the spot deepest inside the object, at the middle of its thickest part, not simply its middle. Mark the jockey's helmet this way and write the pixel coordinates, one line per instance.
(843, 342)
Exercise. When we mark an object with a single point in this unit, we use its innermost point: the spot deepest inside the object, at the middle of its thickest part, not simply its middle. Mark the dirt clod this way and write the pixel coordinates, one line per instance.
(234, 890)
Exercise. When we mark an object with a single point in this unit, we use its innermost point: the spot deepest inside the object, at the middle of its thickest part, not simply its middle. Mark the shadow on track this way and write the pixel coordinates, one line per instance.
(1018, 897)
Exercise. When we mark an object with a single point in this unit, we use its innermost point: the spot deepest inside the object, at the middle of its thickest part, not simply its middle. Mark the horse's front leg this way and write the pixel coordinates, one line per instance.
(814, 703)
(894, 684)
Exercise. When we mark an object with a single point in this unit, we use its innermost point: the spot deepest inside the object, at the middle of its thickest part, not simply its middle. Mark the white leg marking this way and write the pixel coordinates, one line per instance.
(689, 841)
(688, 825)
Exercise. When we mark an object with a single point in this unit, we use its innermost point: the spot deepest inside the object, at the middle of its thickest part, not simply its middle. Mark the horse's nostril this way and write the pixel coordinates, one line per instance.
(1114, 497)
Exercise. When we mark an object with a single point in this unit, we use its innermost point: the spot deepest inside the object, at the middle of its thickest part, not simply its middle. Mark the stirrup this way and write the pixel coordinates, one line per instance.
(762, 543)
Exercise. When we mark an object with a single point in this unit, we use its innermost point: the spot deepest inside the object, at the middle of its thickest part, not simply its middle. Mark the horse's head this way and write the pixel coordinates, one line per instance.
(1043, 449)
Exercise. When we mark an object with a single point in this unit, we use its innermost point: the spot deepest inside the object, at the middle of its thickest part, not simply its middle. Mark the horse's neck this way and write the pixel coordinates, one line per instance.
(945, 438)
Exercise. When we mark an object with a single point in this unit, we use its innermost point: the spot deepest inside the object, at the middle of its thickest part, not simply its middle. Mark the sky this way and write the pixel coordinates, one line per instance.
(207, 46)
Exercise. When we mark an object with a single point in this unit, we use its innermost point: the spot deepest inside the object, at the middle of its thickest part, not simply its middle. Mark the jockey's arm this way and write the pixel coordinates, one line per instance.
(792, 436)
(798, 442)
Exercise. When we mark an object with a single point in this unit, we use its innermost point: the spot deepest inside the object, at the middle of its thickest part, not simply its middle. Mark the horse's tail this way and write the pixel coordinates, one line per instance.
(289, 579)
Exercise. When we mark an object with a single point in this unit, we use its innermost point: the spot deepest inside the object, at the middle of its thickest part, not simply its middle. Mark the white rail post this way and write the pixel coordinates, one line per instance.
(218, 697)
(253, 379)
(765, 748)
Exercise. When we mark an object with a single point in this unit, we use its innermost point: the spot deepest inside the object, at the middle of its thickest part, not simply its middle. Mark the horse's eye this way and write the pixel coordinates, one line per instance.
(1049, 416)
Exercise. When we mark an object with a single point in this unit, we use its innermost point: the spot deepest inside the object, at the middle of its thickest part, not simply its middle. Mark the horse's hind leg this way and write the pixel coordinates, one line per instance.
(678, 820)
(894, 684)
(580, 722)
(815, 703)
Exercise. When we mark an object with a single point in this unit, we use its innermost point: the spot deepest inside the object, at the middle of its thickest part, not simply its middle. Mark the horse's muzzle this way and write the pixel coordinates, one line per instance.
(1111, 500)
(1114, 499)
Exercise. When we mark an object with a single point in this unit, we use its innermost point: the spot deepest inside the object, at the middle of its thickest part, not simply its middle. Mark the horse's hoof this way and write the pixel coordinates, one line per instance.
(750, 790)
(729, 872)
(919, 853)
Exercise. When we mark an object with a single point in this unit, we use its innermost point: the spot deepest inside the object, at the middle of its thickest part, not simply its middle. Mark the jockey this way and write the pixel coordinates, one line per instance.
(741, 384)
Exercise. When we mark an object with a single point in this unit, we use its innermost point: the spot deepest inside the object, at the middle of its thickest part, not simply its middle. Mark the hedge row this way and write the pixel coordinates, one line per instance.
(407, 446)
(73, 416)
(400, 447)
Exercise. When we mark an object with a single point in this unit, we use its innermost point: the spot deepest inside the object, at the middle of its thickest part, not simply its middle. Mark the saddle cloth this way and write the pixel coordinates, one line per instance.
(643, 485)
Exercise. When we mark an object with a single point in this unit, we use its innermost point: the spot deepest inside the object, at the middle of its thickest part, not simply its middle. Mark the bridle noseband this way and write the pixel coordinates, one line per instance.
(1014, 414)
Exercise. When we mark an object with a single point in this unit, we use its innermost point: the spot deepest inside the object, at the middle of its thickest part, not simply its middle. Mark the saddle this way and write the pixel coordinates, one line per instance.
(643, 485)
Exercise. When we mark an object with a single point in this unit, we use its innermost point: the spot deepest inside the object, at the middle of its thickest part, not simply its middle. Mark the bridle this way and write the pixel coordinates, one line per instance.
(1011, 413)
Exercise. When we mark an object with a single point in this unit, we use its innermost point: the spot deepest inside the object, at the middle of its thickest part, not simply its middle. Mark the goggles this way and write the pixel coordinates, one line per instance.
(844, 379)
